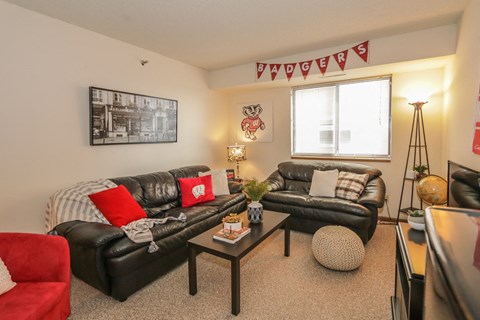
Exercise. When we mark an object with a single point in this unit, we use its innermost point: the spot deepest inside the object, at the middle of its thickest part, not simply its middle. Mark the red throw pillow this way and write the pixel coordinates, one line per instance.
(118, 206)
(196, 190)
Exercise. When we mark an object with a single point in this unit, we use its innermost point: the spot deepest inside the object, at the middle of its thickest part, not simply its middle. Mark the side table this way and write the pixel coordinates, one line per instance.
(410, 260)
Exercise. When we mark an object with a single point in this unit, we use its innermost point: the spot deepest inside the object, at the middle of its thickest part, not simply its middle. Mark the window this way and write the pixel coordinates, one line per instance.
(342, 120)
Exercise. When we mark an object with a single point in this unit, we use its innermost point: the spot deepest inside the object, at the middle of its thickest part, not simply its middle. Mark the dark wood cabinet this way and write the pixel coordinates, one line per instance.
(411, 251)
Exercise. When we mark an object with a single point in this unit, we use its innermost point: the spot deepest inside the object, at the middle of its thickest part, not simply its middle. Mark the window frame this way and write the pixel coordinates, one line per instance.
(336, 156)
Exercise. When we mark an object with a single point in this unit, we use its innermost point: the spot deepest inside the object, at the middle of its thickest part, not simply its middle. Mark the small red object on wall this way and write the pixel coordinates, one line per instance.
(476, 136)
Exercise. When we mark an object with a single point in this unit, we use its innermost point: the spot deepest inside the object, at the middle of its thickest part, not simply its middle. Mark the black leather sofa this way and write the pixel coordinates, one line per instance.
(465, 188)
(102, 255)
(289, 192)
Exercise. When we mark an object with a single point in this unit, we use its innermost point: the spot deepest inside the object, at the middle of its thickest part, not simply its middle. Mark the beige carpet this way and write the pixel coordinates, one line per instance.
(272, 287)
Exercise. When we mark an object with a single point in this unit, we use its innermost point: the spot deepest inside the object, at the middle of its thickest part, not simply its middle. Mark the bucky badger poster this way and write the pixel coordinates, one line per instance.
(254, 122)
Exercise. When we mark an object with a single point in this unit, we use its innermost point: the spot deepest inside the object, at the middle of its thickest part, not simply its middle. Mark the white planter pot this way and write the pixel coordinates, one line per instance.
(232, 226)
(417, 223)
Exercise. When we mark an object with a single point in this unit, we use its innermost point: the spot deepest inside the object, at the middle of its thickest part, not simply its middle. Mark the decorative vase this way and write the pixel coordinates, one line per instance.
(255, 212)
(232, 225)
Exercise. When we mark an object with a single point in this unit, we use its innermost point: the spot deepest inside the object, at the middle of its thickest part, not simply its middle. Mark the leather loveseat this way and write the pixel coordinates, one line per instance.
(104, 257)
(465, 188)
(289, 192)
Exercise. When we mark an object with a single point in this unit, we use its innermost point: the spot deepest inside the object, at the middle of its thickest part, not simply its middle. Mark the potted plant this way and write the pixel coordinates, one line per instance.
(416, 219)
(420, 171)
(255, 190)
(232, 222)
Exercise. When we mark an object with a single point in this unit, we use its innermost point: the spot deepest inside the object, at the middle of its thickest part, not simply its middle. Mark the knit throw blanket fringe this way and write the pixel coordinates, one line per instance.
(139, 231)
(73, 203)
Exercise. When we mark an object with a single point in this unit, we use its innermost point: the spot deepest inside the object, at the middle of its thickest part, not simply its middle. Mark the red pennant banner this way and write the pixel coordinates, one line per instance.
(322, 64)
(289, 69)
(274, 68)
(362, 50)
(260, 68)
(305, 68)
(341, 58)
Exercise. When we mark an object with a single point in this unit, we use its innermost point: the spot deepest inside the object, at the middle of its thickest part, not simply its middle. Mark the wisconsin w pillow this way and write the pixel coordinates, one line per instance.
(118, 206)
(196, 190)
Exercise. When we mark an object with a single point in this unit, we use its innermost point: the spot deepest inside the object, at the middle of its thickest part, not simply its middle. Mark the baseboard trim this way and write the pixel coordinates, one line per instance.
(388, 220)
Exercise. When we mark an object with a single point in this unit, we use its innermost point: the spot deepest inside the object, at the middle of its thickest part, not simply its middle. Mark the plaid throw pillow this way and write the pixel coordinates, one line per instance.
(350, 185)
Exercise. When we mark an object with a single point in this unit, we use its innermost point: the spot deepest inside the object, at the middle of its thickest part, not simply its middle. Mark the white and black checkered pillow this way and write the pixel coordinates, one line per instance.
(350, 185)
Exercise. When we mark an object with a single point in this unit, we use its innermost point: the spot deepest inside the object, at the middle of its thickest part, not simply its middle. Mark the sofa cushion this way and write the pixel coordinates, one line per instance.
(157, 212)
(188, 172)
(324, 183)
(133, 186)
(158, 188)
(118, 206)
(6, 282)
(196, 190)
(350, 185)
(304, 171)
(219, 181)
(294, 198)
(32, 300)
(298, 185)
(194, 215)
(151, 190)
(124, 245)
(224, 202)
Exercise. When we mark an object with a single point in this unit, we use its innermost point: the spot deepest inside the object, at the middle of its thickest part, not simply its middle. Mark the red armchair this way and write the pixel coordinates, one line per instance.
(40, 265)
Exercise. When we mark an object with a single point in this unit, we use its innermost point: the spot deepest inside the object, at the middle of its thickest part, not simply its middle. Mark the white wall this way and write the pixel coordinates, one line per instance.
(46, 67)
(263, 158)
(406, 47)
(462, 83)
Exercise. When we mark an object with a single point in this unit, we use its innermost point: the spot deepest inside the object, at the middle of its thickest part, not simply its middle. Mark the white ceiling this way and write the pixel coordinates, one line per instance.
(214, 34)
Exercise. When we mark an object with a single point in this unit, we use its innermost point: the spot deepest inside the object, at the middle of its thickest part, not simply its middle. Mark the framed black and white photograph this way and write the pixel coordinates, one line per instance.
(118, 117)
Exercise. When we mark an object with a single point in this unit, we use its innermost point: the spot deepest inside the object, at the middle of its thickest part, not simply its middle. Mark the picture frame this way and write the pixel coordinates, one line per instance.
(119, 117)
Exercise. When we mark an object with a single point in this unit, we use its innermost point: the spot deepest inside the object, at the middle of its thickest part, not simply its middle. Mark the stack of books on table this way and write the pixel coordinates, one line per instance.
(231, 236)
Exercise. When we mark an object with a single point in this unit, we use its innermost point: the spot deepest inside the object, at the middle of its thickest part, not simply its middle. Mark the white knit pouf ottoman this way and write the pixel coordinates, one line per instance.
(338, 248)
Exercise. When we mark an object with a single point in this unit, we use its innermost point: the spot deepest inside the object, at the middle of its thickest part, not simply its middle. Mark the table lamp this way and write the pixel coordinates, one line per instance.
(237, 153)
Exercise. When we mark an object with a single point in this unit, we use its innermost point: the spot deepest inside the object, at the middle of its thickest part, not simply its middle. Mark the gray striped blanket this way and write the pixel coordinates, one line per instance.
(139, 231)
(73, 203)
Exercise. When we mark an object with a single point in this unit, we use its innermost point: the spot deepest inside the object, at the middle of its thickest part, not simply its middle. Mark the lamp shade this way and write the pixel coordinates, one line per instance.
(237, 153)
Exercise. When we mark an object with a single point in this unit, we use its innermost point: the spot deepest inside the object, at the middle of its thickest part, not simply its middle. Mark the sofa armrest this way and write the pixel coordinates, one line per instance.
(89, 234)
(33, 257)
(235, 187)
(465, 195)
(374, 193)
(87, 242)
(275, 181)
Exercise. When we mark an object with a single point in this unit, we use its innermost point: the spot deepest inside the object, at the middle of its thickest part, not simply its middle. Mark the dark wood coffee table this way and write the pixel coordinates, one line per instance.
(234, 252)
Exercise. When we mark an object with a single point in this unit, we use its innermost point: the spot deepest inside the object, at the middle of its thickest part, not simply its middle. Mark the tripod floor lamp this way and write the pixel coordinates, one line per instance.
(417, 149)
